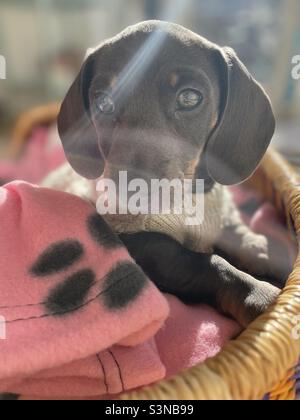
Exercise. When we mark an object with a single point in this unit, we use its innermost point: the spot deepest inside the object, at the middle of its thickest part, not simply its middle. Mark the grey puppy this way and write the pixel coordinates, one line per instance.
(159, 101)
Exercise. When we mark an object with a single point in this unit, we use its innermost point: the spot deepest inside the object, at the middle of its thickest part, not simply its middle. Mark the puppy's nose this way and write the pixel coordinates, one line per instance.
(126, 154)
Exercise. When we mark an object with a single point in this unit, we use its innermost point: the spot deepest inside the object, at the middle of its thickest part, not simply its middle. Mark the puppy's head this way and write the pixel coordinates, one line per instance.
(159, 101)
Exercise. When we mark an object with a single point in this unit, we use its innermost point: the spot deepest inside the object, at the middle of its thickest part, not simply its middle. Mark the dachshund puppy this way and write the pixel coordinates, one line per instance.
(161, 102)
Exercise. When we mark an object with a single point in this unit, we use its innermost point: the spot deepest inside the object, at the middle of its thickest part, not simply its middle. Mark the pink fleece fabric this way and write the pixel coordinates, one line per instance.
(190, 335)
(39, 159)
(63, 305)
(91, 352)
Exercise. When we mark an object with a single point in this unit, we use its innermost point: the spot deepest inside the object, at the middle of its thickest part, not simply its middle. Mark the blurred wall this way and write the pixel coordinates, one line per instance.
(44, 41)
(35, 36)
(285, 88)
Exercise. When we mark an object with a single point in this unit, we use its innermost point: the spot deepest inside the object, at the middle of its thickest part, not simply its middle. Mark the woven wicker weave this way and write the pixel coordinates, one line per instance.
(263, 359)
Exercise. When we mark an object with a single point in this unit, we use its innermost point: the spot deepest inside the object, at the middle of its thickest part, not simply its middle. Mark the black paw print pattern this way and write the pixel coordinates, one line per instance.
(122, 285)
(9, 397)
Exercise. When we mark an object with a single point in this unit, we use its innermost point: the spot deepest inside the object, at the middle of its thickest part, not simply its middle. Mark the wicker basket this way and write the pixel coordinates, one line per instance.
(263, 359)
(27, 122)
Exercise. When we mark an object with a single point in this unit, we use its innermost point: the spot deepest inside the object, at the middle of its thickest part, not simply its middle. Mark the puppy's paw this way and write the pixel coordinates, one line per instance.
(274, 265)
(259, 300)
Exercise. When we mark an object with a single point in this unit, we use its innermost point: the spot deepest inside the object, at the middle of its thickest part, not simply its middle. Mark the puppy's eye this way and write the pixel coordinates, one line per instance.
(189, 99)
(105, 103)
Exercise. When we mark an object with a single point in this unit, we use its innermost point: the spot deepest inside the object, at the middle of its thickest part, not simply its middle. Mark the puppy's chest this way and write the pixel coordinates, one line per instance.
(198, 233)
(201, 236)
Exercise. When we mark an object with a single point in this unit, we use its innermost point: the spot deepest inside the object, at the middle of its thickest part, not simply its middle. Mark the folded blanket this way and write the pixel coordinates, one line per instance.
(62, 360)
(68, 288)
(109, 372)
(80, 316)
(191, 335)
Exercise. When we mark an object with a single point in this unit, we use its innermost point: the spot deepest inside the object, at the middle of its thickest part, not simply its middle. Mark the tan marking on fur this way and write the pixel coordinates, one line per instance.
(114, 82)
(214, 120)
(191, 168)
(173, 79)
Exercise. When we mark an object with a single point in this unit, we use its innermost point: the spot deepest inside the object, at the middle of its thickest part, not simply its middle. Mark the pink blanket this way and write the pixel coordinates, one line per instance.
(42, 155)
(79, 318)
(104, 336)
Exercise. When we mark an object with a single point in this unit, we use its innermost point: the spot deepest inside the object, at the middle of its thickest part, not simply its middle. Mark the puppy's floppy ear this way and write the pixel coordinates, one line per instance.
(75, 127)
(246, 125)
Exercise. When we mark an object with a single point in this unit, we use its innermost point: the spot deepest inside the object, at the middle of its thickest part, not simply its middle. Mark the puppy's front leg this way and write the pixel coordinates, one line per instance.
(255, 253)
(249, 251)
(197, 278)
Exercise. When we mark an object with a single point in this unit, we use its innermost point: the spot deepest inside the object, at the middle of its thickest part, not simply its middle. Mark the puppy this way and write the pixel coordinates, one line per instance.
(159, 101)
